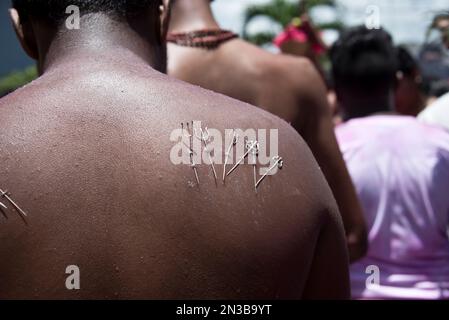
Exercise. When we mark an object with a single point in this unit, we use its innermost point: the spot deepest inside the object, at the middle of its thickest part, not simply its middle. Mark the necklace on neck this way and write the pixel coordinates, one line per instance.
(205, 38)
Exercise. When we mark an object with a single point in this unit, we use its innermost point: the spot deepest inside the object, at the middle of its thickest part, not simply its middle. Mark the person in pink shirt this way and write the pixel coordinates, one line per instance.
(400, 168)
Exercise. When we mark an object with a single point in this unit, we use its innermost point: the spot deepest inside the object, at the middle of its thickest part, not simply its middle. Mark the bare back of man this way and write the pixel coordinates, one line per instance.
(245, 72)
(287, 86)
(85, 151)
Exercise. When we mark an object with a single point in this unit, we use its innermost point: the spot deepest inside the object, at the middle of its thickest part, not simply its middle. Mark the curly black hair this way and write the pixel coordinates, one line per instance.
(364, 59)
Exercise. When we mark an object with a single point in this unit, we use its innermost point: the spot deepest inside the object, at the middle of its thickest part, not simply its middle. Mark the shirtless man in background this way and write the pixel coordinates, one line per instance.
(287, 86)
(85, 152)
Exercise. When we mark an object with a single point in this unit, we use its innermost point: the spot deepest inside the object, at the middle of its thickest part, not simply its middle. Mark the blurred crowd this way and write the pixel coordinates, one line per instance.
(391, 111)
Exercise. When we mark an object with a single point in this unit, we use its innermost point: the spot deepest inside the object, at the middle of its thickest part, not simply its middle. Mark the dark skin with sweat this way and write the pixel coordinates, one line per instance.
(287, 86)
(85, 151)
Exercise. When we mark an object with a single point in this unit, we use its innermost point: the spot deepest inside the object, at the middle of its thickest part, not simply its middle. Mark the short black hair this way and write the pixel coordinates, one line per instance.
(364, 60)
(407, 64)
(55, 10)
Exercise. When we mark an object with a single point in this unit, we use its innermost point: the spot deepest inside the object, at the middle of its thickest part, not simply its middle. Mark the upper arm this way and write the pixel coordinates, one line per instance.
(315, 116)
(326, 273)
(317, 126)
(329, 272)
(318, 131)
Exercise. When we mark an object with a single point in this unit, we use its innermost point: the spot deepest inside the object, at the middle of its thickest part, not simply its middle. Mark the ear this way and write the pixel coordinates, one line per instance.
(165, 14)
(398, 79)
(25, 33)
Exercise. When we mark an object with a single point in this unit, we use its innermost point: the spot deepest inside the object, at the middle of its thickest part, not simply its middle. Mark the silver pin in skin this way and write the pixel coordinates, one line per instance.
(191, 153)
(204, 137)
(2, 210)
(278, 162)
(235, 139)
(5, 195)
(254, 152)
(249, 146)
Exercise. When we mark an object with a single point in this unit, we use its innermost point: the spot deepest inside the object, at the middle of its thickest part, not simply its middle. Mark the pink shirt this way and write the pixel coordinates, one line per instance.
(400, 168)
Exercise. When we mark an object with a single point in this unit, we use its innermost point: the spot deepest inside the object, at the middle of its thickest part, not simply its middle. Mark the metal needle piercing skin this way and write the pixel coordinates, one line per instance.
(191, 153)
(254, 154)
(2, 210)
(204, 136)
(251, 147)
(255, 177)
(235, 138)
(23, 215)
(279, 162)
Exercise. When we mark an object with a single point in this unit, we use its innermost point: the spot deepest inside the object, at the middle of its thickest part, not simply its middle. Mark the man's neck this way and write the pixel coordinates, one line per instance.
(97, 39)
(191, 15)
(364, 107)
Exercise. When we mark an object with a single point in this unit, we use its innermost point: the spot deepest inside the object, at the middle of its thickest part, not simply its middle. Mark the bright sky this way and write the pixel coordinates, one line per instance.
(406, 19)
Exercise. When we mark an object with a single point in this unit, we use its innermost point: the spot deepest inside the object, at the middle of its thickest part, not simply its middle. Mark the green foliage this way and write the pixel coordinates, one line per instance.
(280, 11)
(283, 12)
(261, 38)
(17, 79)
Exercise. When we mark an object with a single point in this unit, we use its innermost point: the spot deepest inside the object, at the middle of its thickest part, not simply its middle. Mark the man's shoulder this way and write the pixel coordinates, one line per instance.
(301, 73)
(269, 61)
(282, 64)
(224, 107)
(295, 75)
(221, 111)
(294, 63)
(14, 99)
